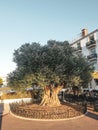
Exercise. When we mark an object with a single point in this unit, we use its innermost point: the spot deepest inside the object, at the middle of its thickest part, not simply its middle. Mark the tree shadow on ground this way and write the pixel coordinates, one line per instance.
(92, 115)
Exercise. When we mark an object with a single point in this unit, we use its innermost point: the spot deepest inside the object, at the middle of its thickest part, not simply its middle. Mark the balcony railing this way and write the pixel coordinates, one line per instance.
(92, 56)
(90, 44)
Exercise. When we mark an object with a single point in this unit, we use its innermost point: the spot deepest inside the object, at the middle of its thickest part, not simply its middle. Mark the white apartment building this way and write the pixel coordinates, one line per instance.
(87, 45)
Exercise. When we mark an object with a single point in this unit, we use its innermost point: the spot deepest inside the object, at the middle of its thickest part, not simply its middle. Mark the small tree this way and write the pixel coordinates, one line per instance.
(1, 82)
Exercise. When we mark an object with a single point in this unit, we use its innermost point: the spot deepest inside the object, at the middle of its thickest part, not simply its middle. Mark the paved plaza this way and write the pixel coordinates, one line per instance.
(9, 122)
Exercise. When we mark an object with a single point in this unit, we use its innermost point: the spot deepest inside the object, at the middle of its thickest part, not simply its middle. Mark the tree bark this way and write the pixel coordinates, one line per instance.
(49, 99)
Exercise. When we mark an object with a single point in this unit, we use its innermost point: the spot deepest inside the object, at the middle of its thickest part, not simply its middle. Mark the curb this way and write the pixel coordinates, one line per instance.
(6, 110)
(4, 113)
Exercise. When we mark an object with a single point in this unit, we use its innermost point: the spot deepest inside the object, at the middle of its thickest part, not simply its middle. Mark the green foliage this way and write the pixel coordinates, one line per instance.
(52, 62)
(75, 81)
(1, 81)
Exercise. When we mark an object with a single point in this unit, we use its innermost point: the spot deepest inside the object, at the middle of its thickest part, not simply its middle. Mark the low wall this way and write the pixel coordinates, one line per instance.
(7, 101)
(35, 111)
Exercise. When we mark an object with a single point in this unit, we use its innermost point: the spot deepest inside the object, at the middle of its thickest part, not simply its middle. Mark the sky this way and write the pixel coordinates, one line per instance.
(27, 21)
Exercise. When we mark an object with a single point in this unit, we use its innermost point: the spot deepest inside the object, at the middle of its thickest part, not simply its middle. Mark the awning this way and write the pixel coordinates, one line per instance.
(95, 75)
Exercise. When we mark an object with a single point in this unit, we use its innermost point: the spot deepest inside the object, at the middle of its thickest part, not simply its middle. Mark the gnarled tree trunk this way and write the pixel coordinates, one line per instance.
(46, 99)
(51, 97)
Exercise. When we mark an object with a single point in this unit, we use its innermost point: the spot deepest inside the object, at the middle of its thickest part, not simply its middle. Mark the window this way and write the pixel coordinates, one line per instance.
(94, 64)
(96, 80)
(92, 38)
(78, 44)
(92, 51)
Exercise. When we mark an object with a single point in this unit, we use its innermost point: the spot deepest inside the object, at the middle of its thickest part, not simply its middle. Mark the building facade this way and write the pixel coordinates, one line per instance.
(87, 45)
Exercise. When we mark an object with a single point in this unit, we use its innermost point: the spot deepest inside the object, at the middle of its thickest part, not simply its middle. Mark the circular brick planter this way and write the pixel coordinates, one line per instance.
(35, 111)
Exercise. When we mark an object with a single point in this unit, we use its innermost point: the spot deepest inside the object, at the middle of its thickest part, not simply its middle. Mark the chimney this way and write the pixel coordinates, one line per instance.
(84, 32)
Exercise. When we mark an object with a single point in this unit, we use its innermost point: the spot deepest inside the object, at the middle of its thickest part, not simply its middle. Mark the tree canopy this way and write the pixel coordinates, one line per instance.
(54, 61)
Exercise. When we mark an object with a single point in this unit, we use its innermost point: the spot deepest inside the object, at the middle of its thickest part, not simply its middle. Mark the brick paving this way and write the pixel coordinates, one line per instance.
(87, 122)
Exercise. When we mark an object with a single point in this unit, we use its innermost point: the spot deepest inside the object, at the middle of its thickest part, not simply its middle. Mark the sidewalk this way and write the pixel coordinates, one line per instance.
(4, 109)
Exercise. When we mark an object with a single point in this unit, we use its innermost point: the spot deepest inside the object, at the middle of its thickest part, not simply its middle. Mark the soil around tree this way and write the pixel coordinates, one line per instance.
(35, 111)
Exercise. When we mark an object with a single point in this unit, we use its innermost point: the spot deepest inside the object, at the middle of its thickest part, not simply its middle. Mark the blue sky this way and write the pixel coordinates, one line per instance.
(23, 21)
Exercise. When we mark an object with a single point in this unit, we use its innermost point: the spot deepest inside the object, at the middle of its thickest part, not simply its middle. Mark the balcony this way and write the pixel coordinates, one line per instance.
(78, 49)
(90, 44)
(92, 57)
